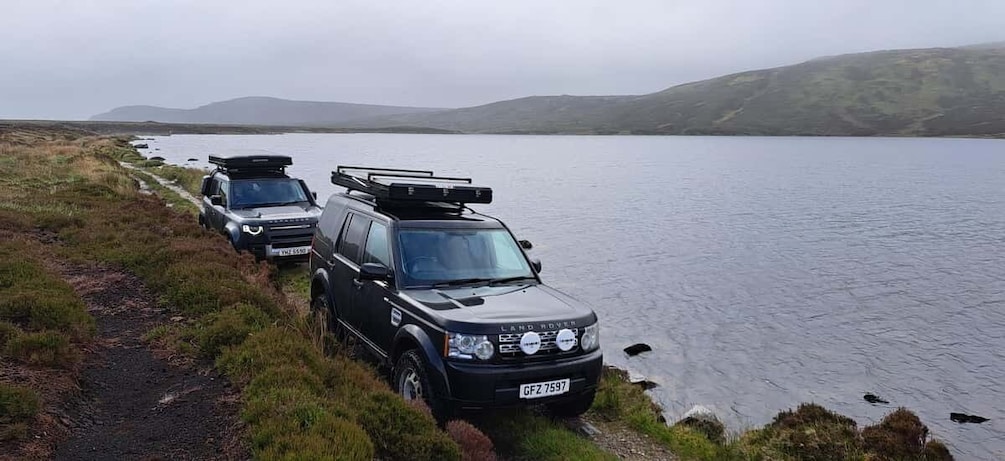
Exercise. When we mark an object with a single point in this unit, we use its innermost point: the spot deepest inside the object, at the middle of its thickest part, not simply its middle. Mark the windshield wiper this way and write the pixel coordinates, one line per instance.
(267, 204)
(450, 283)
(511, 279)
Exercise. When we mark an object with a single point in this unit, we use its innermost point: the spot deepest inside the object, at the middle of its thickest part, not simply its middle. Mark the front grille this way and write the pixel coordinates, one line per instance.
(509, 345)
(290, 233)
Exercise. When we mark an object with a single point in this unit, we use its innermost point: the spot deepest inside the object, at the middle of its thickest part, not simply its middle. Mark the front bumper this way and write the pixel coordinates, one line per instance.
(271, 253)
(474, 385)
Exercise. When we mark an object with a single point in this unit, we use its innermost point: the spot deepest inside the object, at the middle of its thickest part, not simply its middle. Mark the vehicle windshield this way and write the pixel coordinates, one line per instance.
(249, 193)
(460, 256)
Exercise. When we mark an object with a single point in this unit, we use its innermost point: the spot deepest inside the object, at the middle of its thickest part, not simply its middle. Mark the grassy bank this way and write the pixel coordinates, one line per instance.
(68, 190)
(297, 403)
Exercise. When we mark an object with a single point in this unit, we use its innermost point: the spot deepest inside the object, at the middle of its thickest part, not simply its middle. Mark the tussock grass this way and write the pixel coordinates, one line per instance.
(810, 432)
(18, 405)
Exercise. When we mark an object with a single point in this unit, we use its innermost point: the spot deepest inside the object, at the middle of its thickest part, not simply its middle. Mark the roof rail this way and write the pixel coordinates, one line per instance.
(247, 163)
(398, 185)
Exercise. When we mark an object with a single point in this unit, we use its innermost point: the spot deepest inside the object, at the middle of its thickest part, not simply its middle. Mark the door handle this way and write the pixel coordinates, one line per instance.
(356, 283)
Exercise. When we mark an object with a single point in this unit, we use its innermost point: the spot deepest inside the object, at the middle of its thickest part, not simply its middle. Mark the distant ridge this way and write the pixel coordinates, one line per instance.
(257, 110)
(918, 92)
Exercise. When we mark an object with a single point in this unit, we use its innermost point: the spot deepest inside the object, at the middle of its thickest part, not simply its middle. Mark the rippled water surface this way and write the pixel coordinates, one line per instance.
(763, 271)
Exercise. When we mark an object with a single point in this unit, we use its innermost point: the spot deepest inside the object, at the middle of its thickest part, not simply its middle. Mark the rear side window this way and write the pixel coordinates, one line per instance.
(376, 245)
(352, 237)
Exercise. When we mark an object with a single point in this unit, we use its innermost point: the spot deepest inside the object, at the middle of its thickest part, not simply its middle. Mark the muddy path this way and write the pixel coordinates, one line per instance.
(134, 404)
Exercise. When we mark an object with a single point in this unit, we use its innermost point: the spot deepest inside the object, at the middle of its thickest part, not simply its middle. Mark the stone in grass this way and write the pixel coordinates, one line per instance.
(641, 381)
(702, 419)
(636, 349)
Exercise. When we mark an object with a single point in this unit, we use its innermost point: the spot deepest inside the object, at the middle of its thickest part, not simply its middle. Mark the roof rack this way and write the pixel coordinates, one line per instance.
(247, 163)
(391, 184)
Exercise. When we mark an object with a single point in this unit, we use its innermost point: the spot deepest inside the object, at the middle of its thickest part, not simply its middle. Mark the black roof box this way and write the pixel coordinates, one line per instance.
(277, 163)
(396, 185)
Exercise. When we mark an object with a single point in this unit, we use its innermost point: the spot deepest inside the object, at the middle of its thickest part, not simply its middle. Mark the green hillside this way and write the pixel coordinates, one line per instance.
(923, 92)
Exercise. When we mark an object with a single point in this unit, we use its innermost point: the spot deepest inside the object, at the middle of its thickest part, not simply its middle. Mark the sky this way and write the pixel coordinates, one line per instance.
(71, 59)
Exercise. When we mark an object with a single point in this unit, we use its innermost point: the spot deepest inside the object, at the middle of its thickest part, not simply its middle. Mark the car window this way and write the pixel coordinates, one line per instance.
(249, 193)
(353, 237)
(443, 255)
(224, 191)
(213, 187)
(376, 250)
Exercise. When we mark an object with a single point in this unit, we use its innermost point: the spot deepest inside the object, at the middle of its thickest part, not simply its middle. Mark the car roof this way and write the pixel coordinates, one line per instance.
(236, 175)
(421, 214)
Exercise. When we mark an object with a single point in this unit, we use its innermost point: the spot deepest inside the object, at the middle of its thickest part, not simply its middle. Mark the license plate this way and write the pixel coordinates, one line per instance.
(545, 389)
(295, 251)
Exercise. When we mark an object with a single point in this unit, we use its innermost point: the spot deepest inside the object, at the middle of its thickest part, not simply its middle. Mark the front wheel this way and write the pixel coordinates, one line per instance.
(572, 408)
(411, 381)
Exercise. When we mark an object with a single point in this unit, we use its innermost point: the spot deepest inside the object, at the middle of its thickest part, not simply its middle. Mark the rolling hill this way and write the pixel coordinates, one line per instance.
(918, 92)
(922, 92)
(258, 111)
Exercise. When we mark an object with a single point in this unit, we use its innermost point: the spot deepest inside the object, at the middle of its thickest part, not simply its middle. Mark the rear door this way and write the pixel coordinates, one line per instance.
(345, 270)
(372, 296)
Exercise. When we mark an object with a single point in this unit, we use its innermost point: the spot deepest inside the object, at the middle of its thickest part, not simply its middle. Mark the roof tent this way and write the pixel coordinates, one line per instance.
(389, 184)
(247, 163)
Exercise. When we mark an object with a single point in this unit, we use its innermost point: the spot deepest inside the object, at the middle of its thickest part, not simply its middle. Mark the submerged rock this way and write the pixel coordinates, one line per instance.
(636, 349)
(141, 146)
(965, 418)
(193, 160)
(873, 398)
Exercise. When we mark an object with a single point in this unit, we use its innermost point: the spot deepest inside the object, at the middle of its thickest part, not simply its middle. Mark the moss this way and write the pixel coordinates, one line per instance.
(524, 435)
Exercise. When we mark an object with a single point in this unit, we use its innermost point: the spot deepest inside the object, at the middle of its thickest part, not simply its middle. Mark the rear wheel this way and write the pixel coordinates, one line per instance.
(572, 408)
(322, 320)
(411, 381)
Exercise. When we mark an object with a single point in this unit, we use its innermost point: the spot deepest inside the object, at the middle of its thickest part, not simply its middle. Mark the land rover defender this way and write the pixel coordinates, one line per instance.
(251, 201)
(446, 298)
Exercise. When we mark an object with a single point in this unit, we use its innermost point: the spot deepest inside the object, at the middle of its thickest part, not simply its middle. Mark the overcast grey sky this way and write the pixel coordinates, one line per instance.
(70, 59)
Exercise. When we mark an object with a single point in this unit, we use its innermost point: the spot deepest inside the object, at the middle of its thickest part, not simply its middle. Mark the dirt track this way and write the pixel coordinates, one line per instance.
(134, 404)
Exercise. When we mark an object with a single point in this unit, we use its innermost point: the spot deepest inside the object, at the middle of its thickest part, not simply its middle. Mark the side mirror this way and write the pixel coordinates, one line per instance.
(216, 200)
(526, 245)
(315, 195)
(536, 264)
(374, 271)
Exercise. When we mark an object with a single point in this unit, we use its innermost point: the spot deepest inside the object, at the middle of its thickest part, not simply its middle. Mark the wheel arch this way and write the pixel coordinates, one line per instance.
(321, 284)
(411, 337)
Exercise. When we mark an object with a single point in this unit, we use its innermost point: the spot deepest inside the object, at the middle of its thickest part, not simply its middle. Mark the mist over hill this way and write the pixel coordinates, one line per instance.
(258, 111)
(918, 92)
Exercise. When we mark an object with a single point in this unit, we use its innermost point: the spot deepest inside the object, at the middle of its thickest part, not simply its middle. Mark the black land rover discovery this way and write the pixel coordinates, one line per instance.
(251, 201)
(446, 297)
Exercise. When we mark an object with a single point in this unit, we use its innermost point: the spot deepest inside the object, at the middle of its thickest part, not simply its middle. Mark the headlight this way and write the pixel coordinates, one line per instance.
(463, 346)
(591, 337)
(251, 229)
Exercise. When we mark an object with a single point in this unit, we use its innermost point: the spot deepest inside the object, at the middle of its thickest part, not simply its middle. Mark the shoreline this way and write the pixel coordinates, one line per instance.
(168, 129)
(259, 323)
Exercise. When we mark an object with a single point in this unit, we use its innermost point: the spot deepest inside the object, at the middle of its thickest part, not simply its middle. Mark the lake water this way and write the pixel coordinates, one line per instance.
(764, 271)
